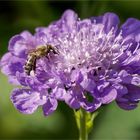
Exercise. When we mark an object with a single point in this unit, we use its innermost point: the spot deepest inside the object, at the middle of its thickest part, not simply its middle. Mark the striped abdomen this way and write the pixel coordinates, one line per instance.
(30, 64)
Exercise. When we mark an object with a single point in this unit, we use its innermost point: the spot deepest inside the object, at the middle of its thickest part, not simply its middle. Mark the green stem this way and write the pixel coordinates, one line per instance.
(84, 122)
(83, 134)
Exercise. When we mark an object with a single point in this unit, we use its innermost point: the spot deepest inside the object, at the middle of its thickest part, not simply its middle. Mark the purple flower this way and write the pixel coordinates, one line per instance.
(97, 63)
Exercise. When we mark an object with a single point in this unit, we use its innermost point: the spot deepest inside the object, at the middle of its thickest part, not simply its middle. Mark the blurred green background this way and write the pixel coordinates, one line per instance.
(111, 123)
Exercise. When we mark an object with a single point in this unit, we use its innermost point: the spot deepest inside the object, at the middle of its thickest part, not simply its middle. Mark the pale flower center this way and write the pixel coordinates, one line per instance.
(89, 47)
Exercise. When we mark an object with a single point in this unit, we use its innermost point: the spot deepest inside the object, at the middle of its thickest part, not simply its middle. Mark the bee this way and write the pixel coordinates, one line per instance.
(39, 52)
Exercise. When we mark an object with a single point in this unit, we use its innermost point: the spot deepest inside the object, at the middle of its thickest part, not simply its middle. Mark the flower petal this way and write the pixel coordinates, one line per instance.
(133, 93)
(69, 19)
(102, 85)
(131, 99)
(130, 27)
(59, 93)
(26, 101)
(127, 105)
(71, 100)
(136, 80)
(14, 64)
(5, 59)
(50, 106)
(76, 76)
(121, 90)
(125, 77)
(108, 95)
(88, 85)
(17, 46)
(109, 20)
(20, 44)
(90, 106)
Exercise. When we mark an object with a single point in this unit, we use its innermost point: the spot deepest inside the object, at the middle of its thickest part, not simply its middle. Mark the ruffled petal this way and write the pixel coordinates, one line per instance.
(50, 106)
(26, 35)
(130, 27)
(130, 100)
(26, 101)
(127, 105)
(14, 64)
(108, 95)
(56, 29)
(88, 85)
(90, 106)
(109, 20)
(5, 59)
(69, 19)
(102, 85)
(125, 77)
(76, 76)
(135, 80)
(17, 46)
(131, 34)
(133, 93)
(121, 90)
(72, 100)
(59, 93)
(21, 44)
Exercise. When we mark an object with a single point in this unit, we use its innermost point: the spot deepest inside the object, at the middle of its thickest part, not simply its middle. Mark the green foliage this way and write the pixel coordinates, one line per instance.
(115, 123)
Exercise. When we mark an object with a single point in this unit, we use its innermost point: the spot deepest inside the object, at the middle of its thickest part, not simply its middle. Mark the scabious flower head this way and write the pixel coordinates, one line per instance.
(98, 62)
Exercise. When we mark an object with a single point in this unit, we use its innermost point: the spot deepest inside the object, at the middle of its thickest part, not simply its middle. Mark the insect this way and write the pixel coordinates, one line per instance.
(39, 52)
